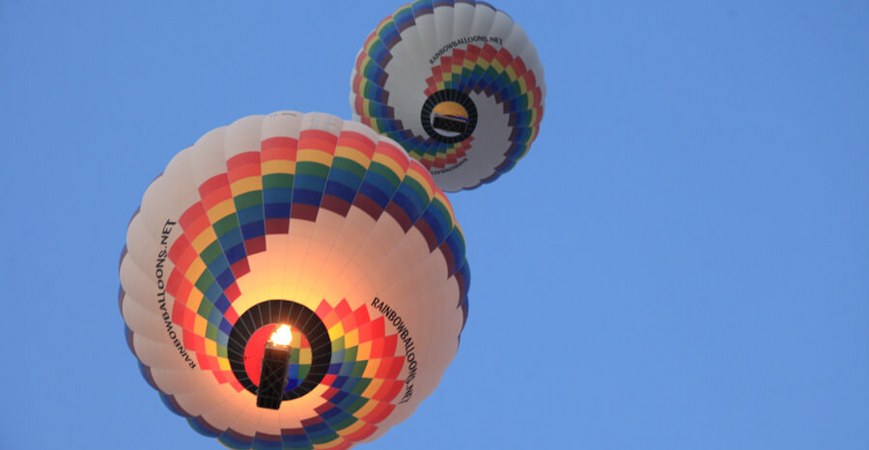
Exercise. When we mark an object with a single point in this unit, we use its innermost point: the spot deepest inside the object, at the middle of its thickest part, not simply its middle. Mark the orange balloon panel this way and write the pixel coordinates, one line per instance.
(304, 220)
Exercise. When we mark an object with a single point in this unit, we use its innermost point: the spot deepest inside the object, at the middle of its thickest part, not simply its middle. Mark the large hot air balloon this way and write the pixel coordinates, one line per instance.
(457, 83)
(293, 281)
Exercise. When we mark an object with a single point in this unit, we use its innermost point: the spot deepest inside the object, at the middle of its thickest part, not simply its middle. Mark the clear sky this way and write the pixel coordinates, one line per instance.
(680, 262)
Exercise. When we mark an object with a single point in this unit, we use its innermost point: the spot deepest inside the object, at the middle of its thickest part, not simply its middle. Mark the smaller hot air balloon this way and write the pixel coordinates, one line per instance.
(294, 281)
(457, 83)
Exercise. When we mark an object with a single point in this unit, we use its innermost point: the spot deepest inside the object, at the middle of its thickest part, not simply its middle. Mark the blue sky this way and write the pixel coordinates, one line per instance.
(679, 263)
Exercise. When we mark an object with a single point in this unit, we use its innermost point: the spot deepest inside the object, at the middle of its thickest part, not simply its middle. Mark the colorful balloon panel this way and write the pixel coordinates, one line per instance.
(302, 219)
(456, 83)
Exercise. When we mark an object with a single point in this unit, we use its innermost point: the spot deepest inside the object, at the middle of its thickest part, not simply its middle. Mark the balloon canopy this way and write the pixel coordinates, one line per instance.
(303, 220)
(457, 83)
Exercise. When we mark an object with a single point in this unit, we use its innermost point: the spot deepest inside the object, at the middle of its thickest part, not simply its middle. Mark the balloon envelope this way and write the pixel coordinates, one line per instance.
(302, 220)
(457, 83)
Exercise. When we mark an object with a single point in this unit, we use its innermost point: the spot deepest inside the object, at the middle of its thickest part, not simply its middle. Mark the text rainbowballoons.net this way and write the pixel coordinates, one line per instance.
(305, 220)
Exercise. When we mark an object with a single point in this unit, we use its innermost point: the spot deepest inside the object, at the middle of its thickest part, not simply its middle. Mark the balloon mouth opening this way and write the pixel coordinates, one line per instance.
(449, 116)
(279, 350)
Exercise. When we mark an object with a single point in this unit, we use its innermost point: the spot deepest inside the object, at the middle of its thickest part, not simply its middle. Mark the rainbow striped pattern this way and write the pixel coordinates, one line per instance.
(484, 70)
(258, 195)
(363, 383)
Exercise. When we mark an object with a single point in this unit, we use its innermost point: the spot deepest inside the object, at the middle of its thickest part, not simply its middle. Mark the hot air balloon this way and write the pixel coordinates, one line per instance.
(457, 83)
(293, 281)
